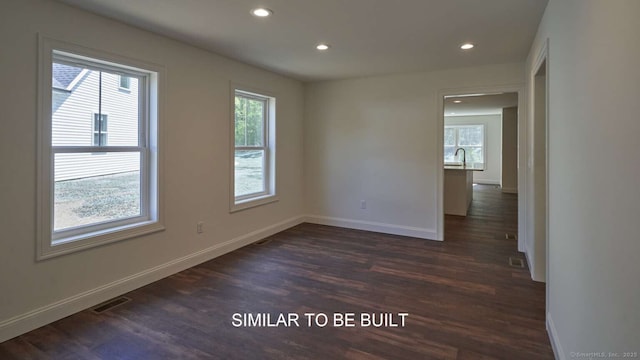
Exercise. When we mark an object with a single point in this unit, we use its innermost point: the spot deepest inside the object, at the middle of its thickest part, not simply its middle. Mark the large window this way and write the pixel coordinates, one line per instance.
(254, 151)
(99, 150)
(468, 137)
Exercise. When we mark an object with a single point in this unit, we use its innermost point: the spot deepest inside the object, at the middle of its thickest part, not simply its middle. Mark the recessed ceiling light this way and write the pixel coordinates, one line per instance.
(457, 101)
(261, 12)
(466, 46)
(322, 47)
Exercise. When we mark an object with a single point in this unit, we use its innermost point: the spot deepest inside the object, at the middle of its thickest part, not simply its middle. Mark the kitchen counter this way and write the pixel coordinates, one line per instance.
(466, 167)
(458, 187)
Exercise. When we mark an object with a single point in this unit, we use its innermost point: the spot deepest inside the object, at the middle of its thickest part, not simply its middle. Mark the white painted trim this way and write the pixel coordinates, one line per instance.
(253, 202)
(510, 190)
(529, 263)
(542, 57)
(532, 265)
(270, 194)
(553, 338)
(52, 312)
(416, 232)
(48, 243)
(487, 182)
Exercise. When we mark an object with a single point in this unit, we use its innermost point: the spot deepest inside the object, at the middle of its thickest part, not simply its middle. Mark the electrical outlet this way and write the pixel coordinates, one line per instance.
(363, 204)
(200, 227)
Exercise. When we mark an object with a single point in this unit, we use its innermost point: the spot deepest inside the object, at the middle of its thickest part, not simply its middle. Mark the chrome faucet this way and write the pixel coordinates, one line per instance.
(464, 155)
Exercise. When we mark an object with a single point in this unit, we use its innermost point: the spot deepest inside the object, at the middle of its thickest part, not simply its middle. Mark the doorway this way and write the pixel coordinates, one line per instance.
(480, 147)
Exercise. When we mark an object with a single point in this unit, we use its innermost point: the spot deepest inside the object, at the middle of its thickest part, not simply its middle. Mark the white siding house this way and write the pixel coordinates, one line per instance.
(79, 96)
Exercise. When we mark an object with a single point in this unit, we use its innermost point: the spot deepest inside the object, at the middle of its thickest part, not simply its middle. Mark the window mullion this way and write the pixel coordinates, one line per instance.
(95, 149)
(240, 148)
(100, 109)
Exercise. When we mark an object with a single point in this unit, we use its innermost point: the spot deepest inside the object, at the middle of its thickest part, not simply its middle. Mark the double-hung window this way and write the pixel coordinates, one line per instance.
(99, 149)
(99, 129)
(254, 149)
(468, 137)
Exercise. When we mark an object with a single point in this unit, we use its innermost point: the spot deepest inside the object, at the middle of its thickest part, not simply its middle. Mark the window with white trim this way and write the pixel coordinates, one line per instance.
(104, 187)
(125, 82)
(99, 129)
(468, 137)
(254, 148)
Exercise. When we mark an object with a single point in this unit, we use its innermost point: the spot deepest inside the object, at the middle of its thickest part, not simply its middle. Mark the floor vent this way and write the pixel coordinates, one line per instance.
(108, 305)
(262, 242)
(515, 262)
(511, 236)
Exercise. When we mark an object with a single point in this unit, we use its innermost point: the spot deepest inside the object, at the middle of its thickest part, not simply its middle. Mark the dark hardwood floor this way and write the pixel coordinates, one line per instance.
(463, 299)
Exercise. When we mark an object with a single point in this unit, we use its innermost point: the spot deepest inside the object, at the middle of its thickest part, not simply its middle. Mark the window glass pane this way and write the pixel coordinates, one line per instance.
(449, 136)
(249, 172)
(470, 135)
(91, 188)
(449, 152)
(249, 121)
(99, 130)
(121, 109)
(125, 82)
(78, 93)
(474, 154)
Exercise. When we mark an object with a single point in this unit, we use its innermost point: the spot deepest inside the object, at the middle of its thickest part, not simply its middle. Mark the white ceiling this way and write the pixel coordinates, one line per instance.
(368, 37)
(479, 105)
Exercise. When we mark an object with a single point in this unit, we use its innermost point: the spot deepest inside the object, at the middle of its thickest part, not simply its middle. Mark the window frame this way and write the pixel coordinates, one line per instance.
(125, 88)
(269, 195)
(53, 243)
(98, 132)
(457, 140)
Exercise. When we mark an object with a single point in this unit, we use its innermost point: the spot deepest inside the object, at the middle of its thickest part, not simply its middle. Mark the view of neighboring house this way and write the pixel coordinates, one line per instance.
(93, 108)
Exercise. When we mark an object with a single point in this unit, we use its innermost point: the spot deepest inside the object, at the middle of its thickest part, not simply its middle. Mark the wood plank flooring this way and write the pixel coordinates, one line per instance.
(463, 299)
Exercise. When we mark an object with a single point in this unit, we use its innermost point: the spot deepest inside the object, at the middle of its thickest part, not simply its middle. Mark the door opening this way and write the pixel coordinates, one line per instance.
(480, 147)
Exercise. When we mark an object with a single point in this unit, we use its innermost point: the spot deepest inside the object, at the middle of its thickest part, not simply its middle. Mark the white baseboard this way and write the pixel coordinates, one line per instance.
(529, 262)
(532, 266)
(510, 190)
(422, 233)
(34, 319)
(553, 338)
(486, 182)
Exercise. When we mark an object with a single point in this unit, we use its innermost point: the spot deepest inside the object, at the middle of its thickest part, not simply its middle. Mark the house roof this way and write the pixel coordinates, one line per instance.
(63, 76)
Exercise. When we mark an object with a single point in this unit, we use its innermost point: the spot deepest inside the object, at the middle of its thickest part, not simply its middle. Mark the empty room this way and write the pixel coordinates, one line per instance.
(287, 179)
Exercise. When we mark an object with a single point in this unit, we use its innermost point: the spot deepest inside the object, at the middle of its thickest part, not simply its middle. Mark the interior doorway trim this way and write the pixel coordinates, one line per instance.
(541, 64)
(488, 90)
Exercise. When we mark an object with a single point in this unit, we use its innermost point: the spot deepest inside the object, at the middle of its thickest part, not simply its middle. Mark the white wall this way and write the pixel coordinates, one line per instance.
(196, 166)
(376, 139)
(493, 147)
(594, 201)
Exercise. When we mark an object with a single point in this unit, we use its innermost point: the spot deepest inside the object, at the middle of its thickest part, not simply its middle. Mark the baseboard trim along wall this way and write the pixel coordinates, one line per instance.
(529, 262)
(510, 190)
(553, 338)
(486, 182)
(421, 233)
(47, 314)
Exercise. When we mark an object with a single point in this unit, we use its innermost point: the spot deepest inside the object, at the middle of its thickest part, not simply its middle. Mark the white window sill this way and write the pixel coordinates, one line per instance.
(98, 238)
(252, 202)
